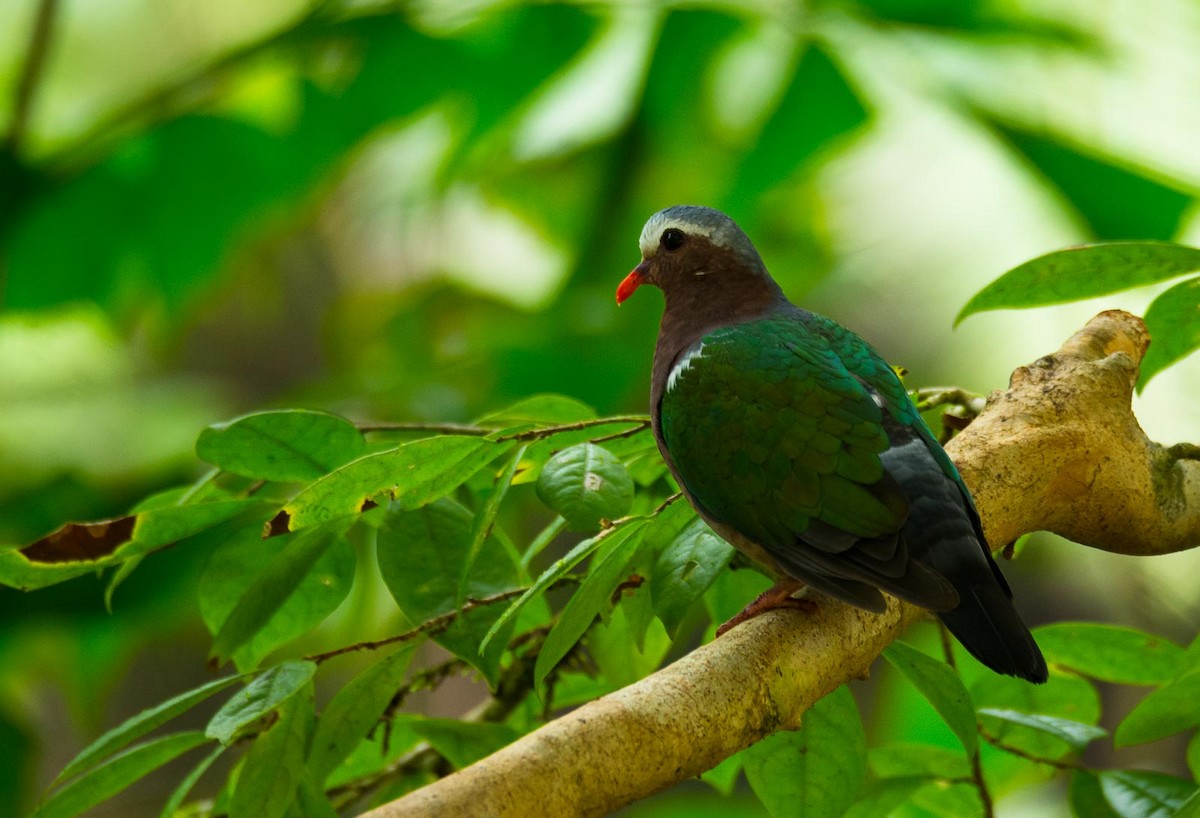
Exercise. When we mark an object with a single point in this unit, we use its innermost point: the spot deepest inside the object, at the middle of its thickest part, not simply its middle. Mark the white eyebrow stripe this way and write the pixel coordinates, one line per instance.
(652, 232)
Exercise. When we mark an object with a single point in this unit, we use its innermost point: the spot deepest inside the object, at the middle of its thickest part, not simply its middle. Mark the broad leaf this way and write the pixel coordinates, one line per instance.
(555, 572)
(266, 784)
(134, 728)
(1170, 709)
(1084, 272)
(1173, 320)
(485, 518)
(917, 761)
(413, 475)
(586, 484)
(301, 584)
(354, 711)
(1074, 733)
(685, 569)
(462, 742)
(421, 554)
(114, 775)
(941, 687)
(292, 445)
(1063, 696)
(264, 694)
(1193, 755)
(1087, 798)
(1143, 794)
(591, 599)
(540, 409)
(816, 771)
(1111, 653)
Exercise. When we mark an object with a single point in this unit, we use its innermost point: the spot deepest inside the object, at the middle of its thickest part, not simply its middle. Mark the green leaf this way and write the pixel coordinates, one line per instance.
(723, 777)
(1064, 696)
(1119, 200)
(461, 742)
(816, 771)
(270, 592)
(134, 728)
(485, 518)
(1173, 320)
(256, 595)
(941, 687)
(554, 573)
(1087, 798)
(180, 793)
(1170, 709)
(586, 484)
(881, 799)
(266, 784)
(685, 569)
(1074, 733)
(264, 694)
(816, 108)
(1141, 794)
(591, 599)
(1189, 808)
(1111, 653)
(414, 474)
(354, 711)
(917, 761)
(1193, 755)
(291, 445)
(540, 409)
(1083, 272)
(114, 775)
(421, 554)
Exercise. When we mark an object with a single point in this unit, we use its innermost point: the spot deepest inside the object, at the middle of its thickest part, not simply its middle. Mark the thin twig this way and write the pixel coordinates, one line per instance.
(1059, 764)
(31, 74)
(436, 428)
(435, 625)
(546, 431)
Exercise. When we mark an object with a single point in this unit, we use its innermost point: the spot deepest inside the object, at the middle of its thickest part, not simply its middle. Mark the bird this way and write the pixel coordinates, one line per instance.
(798, 444)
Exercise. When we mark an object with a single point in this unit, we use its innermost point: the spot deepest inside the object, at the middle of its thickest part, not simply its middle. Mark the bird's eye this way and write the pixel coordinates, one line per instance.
(672, 239)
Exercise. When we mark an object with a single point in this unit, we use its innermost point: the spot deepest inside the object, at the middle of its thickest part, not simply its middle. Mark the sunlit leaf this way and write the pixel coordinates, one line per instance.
(1173, 320)
(684, 571)
(485, 518)
(917, 760)
(1144, 794)
(1074, 733)
(540, 409)
(412, 475)
(296, 444)
(1084, 272)
(941, 687)
(817, 771)
(1112, 653)
(271, 689)
(117, 773)
(586, 484)
(1087, 798)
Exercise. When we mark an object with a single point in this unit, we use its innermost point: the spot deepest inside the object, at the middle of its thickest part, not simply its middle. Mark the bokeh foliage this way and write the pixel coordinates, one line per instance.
(419, 214)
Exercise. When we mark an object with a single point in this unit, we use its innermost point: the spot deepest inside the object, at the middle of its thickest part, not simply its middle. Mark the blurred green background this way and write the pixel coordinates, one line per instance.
(421, 210)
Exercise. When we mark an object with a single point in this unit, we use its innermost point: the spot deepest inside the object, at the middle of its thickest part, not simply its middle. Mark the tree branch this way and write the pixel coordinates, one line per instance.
(1058, 450)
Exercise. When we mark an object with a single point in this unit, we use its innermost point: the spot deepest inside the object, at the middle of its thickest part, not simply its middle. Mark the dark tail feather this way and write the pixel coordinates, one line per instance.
(989, 627)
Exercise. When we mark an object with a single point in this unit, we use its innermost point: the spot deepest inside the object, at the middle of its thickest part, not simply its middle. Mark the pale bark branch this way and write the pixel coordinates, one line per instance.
(1058, 450)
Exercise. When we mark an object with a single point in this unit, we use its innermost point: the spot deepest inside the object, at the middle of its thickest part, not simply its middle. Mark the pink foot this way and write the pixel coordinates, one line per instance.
(778, 595)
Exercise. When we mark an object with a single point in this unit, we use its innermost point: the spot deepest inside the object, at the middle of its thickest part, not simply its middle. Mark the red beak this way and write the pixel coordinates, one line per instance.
(631, 282)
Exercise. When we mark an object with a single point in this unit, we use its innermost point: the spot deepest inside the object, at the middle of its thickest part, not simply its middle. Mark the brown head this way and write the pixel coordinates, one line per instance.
(705, 265)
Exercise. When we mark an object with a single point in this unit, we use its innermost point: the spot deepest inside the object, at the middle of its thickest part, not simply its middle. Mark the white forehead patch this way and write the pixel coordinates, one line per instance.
(720, 235)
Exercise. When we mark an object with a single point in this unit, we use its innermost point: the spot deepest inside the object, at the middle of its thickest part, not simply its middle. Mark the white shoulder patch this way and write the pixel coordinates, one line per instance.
(683, 363)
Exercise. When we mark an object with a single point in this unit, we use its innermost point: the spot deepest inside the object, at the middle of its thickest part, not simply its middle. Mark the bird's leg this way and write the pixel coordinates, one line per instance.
(778, 595)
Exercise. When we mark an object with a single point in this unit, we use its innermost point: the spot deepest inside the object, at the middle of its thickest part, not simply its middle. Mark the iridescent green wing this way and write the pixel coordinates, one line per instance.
(773, 435)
